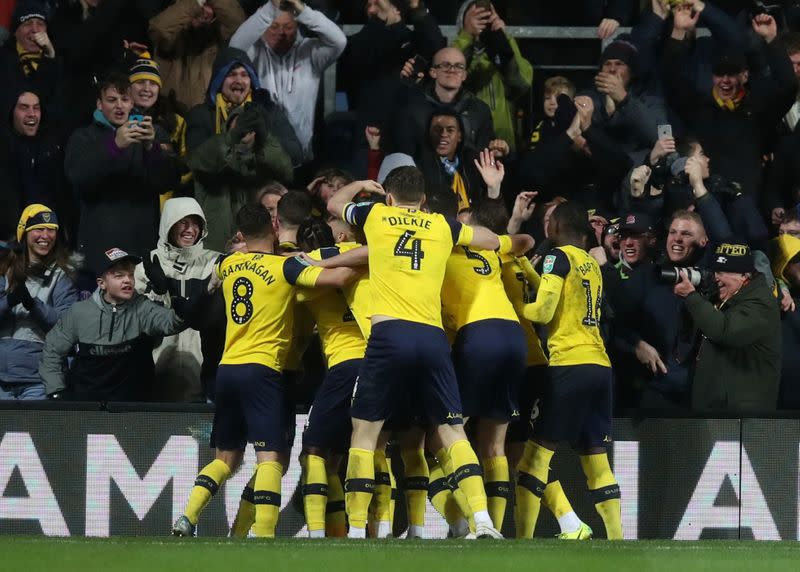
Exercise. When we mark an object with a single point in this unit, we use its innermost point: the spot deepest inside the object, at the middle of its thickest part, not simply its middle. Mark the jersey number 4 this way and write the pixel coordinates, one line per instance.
(414, 253)
(241, 304)
(592, 307)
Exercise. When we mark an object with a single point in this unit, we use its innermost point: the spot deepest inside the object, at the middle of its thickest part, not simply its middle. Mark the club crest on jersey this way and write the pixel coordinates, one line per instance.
(549, 262)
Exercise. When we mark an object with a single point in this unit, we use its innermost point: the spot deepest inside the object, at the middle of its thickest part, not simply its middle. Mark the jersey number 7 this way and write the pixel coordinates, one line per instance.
(415, 253)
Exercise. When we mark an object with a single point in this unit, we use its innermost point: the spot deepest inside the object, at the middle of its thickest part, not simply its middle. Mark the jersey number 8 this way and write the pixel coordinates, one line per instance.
(414, 253)
(242, 294)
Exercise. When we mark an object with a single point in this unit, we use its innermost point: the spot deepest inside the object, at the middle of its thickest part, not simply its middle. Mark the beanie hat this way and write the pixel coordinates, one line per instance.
(622, 49)
(733, 257)
(145, 68)
(36, 216)
(26, 10)
(392, 162)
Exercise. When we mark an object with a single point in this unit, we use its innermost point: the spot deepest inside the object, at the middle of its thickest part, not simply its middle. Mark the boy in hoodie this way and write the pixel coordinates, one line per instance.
(237, 139)
(288, 64)
(114, 332)
(181, 266)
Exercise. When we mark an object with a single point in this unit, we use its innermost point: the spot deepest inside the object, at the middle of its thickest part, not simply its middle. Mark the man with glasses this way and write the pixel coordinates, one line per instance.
(448, 72)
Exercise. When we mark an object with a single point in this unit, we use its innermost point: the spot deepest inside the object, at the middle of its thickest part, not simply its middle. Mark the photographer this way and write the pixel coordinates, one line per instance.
(739, 358)
(36, 288)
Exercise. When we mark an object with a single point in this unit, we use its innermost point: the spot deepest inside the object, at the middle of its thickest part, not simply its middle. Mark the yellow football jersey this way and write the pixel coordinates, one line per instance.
(473, 290)
(357, 294)
(339, 333)
(573, 335)
(408, 252)
(520, 292)
(260, 298)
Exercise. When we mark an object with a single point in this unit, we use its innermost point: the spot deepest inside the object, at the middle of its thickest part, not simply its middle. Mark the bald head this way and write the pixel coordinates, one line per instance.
(449, 72)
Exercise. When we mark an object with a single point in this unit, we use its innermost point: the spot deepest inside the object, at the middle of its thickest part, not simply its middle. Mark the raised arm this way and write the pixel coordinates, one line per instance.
(345, 195)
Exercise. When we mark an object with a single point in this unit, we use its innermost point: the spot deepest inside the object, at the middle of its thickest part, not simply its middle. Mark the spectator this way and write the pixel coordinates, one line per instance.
(623, 107)
(546, 128)
(790, 224)
(30, 60)
(371, 64)
(576, 159)
(323, 186)
(741, 107)
(786, 267)
(32, 162)
(93, 36)
(36, 288)
(114, 332)
(185, 364)
(449, 164)
(186, 38)
(792, 43)
(448, 72)
(288, 64)
(496, 71)
(237, 140)
(118, 170)
(739, 359)
(146, 84)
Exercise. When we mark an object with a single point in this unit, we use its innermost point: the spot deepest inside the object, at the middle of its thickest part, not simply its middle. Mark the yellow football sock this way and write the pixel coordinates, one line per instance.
(267, 497)
(458, 495)
(382, 497)
(555, 500)
(315, 491)
(416, 485)
(206, 486)
(335, 519)
(498, 488)
(604, 490)
(359, 485)
(531, 482)
(392, 491)
(246, 515)
(440, 494)
(466, 474)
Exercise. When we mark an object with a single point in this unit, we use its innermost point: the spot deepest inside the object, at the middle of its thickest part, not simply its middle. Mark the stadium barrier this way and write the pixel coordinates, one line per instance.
(122, 470)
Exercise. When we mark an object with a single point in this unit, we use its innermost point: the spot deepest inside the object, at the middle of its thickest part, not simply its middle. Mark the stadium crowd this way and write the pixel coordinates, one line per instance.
(138, 133)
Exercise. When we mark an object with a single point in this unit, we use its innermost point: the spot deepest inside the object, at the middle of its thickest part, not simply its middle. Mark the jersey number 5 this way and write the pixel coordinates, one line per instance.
(242, 294)
(592, 307)
(485, 268)
(414, 253)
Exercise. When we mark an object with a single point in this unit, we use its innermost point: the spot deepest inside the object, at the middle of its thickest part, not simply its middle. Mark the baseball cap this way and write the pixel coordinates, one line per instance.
(733, 257)
(36, 216)
(635, 223)
(114, 256)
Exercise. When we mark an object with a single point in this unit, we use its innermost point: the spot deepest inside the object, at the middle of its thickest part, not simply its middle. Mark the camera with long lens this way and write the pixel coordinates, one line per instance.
(700, 278)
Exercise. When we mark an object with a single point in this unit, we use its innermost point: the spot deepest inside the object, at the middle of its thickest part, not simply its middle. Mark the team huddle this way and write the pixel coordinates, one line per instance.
(425, 317)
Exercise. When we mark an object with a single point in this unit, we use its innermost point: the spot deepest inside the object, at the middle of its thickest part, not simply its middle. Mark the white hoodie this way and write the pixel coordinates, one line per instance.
(293, 78)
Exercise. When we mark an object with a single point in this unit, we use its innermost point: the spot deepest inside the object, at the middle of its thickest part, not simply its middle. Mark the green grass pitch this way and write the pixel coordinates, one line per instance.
(168, 554)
